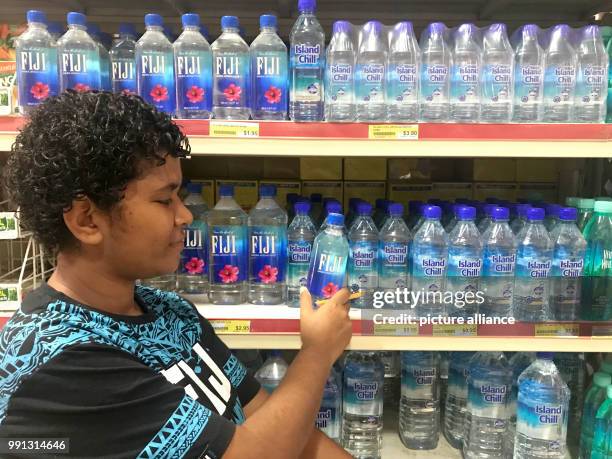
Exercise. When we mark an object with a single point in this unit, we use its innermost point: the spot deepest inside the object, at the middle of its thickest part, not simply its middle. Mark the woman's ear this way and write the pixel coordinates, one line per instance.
(83, 221)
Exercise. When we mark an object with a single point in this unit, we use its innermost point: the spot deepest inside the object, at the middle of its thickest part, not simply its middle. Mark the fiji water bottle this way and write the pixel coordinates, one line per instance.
(419, 412)
(560, 76)
(464, 262)
(79, 60)
(489, 384)
(340, 75)
(542, 411)
(465, 75)
(328, 260)
(95, 33)
(567, 268)
(329, 416)
(499, 261)
(456, 398)
(363, 256)
(362, 421)
(36, 55)
(271, 374)
(193, 68)
(436, 60)
(403, 70)
(370, 73)
(591, 77)
(497, 75)
(519, 362)
(155, 66)
(528, 76)
(269, 73)
(230, 72)
(593, 399)
(228, 250)
(394, 251)
(429, 263)
(300, 237)
(193, 270)
(123, 61)
(267, 249)
(533, 264)
(572, 367)
(306, 65)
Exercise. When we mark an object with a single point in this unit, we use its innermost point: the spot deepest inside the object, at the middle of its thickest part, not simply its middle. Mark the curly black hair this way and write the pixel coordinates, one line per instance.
(83, 145)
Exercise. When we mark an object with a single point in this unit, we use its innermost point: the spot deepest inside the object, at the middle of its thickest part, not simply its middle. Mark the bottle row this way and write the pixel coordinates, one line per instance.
(535, 267)
(371, 73)
(486, 404)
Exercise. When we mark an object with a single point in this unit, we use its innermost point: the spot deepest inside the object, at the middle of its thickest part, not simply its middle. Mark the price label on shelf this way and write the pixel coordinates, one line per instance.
(396, 330)
(231, 327)
(557, 330)
(393, 131)
(233, 129)
(455, 330)
(601, 331)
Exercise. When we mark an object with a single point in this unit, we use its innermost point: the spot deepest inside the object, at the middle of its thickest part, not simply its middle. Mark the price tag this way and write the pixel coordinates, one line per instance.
(9, 229)
(557, 330)
(602, 331)
(455, 330)
(233, 129)
(231, 327)
(393, 131)
(396, 330)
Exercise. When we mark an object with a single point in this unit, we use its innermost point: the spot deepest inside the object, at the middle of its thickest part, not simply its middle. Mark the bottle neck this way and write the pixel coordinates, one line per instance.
(126, 36)
(307, 12)
(268, 30)
(76, 27)
(191, 28)
(231, 30)
(155, 29)
(37, 25)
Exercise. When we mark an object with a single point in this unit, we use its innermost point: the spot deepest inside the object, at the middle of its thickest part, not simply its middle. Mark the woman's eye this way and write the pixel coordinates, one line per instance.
(165, 202)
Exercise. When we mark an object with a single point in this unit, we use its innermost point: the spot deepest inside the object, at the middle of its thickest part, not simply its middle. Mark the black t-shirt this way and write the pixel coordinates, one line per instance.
(158, 385)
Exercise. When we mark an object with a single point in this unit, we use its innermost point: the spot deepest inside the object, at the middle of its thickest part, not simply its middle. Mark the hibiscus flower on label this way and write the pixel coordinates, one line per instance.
(232, 93)
(80, 87)
(229, 274)
(268, 274)
(39, 91)
(329, 290)
(159, 93)
(195, 94)
(195, 266)
(273, 95)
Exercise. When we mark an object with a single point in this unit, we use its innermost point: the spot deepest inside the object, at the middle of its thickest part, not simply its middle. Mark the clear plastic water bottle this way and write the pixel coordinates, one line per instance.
(572, 367)
(340, 74)
(193, 66)
(518, 362)
(521, 218)
(392, 364)
(464, 261)
(533, 265)
(155, 66)
(465, 75)
(567, 268)
(300, 238)
(430, 262)
(591, 77)
(95, 33)
(331, 207)
(306, 65)
(79, 60)
(585, 212)
(542, 411)
(228, 250)
(456, 398)
(487, 219)
(499, 261)
(552, 216)
(434, 87)
(381, 212)
(363, 256)
(414, 213)
(316, 209)
(497, 75)
(370, 73)
(230, 100)
(123, 61)
(351, 215)
(403, 70)
(362, 418)
(267, 249)
(560, 76)
(528, 76)
(327, 269)
(394, 252)
(193, 270)
(36, 55)
(602, 439)
(329, 416)
(271, 374)
(419, 416)
(269, 72)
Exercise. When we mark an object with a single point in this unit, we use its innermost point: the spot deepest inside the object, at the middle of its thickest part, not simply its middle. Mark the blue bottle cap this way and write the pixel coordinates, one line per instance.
(500, 213)
(395, 209)
(302, 207)
(432, 212)
(403, 28)
(466, 29)
(333, 207)
(341, 27)
(226, 190)
(267, 20)
(127, 29)
(414, 207)
(466, 213)
(74, 18)
(364, 208)
(335, 219)
(36, 16)
(535, 214)
(522, 209)
(488, 208)
(568, 214)
(306, 5)
(498, 28)
(545, 355)
(153, 20)
(436, 28)
(552, 210)
(562, 30)
(316, 197)
(267, 191)
(190, 20)
(230, 22)
(373, 27)
(193, 187)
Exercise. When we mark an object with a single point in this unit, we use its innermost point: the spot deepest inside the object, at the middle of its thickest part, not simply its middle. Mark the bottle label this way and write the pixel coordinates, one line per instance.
(369, 83)
(591, 84)
(80, 70)
(434, 84)
(559, 84)
(269, 69)
(37, 75)
(497, 84)
(528, 85)
(339, 84)
(362, 396)
(461, 263)
(326, 274)
(402, 84)
(541, 420)
(328, 421)
(498, 262)
(394, 264)
(418, 382)
(298, 262)
(193, 80)
(194, 258)
(457, 381)
(465, 84)
(567, 264)
(306, 70)
(430, 264)
(597, 281)
(363, 265)
(268, 254)
(230, 74)
(532, 264)
(123, 75)
(489, 400)
(228, 247)
(156, 79)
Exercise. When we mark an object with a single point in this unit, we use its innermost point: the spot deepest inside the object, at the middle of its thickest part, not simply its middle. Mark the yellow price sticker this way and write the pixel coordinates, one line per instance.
(231, 327)
(455, 330)
(396, 330)
(393, 131)
(233, 129)
(557, 330)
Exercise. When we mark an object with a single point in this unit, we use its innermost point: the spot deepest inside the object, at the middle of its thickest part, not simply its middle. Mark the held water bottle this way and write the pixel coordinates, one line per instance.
(300, 237)
(123, 61)
(434, 87)
(465, 75)
(572, 367)
(363, 256)
(497, 75)
(403, 70)
(595, 396)
(36, 55)
(591, 77)
(271, 374)
(528, 76)
(370, 73)
(559, 76)
(95, 33)
(340, 75)
(519, 362)
(329, 416)
(456, 398)
(267, 249)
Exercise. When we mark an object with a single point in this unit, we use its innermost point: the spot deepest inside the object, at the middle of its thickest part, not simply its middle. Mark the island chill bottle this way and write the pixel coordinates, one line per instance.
(123, 61)
(340, 75)
(370, 74)
(528, 76)
(435, 69)
(300, 237)
(403, 67)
